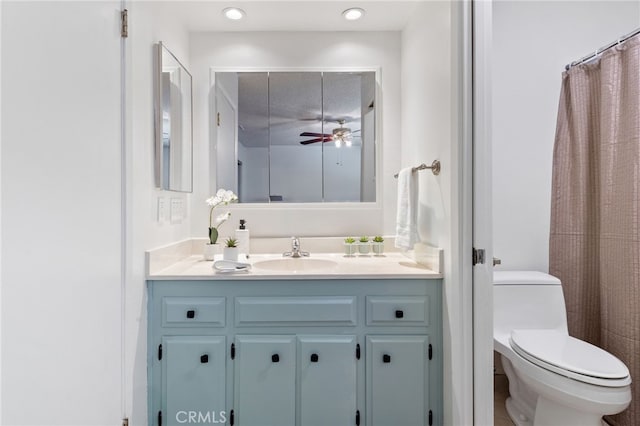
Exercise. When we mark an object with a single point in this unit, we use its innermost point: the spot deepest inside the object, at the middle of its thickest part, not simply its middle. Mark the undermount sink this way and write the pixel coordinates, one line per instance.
(300, 264)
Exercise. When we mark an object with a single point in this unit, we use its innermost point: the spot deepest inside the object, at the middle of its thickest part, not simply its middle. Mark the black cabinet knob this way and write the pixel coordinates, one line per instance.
(275, 358)
(399, 314)
(314, 357)
(191, 314)
(386, 358)
(204, 359)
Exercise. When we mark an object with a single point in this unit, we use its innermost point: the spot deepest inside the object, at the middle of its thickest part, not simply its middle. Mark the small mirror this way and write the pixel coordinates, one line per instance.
(173, 126)
(296, 137)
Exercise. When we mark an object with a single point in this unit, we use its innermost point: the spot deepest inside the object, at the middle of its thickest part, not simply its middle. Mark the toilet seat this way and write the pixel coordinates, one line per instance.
(570, 357)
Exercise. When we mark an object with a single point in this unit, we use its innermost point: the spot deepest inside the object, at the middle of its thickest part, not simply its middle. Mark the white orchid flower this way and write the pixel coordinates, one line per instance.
(220, 219)
(211, 201)
(222, 196)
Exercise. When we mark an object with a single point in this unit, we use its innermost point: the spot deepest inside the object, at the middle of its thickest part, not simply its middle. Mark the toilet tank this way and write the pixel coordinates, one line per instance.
(527, 300)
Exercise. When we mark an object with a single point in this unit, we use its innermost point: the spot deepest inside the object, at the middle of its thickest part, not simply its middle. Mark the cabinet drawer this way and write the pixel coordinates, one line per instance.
(321, 310)
(193, 312)
(401, 310)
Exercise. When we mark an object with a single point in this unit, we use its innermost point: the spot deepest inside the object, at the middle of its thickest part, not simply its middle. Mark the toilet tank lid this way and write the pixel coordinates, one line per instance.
(523, 278)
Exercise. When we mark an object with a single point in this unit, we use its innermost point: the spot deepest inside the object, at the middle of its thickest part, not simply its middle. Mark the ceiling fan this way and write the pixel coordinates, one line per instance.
(339, 135)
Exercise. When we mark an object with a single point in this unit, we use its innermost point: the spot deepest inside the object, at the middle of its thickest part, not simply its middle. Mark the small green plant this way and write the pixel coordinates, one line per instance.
(364, 239)
(378, 239)
(349, 240)
(231, 242)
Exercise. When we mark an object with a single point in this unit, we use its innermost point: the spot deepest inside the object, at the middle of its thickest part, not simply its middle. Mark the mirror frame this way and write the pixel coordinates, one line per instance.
(316, 204)
(159, 50)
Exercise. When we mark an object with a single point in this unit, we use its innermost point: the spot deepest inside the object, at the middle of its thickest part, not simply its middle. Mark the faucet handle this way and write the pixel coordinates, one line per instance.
(295, 243)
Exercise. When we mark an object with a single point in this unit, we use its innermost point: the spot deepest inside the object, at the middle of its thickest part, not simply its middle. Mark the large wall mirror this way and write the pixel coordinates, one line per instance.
(296, 137)
(173, 127)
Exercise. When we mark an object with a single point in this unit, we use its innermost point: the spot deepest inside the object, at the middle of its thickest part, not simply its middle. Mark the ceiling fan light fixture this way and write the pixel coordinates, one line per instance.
(353, 13)
(341, 132)
(233, 13)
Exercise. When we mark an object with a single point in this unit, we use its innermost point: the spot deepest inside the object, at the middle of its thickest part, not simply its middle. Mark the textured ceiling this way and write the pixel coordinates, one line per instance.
(276, 107)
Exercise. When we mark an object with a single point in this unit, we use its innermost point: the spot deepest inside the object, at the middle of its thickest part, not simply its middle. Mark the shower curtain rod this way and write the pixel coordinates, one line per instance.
(602, 49)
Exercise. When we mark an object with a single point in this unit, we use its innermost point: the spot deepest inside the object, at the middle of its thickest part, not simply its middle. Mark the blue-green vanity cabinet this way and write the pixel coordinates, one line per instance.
(194, 376)
(265, 380)
(397, 394)
(316, 352)
(328, 380)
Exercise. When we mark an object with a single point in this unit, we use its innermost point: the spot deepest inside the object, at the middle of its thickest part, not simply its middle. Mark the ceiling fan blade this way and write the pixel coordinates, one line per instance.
(312, 141)
(315, 140)
(319, 135)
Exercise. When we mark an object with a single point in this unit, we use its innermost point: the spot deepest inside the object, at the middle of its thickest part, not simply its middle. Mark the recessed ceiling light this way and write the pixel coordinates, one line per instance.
(353, 14)
(233, 13)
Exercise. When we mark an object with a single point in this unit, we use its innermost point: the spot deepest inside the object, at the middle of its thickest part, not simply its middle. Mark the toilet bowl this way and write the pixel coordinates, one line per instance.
(554, 379)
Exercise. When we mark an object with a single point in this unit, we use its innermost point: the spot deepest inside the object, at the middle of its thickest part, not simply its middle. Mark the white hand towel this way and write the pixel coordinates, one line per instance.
(407, 213)
(230, 266)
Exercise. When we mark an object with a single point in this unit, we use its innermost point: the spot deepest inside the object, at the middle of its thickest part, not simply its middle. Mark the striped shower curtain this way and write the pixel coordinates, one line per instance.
(595, 206)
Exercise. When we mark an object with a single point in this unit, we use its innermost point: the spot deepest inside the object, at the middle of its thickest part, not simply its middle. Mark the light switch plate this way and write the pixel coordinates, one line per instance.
(177, 210)
(162, 210)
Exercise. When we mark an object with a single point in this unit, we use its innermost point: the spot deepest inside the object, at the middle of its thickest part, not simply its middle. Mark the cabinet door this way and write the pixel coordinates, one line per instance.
(265, 379)
(397, 378)
(327, 380)
(193, 378)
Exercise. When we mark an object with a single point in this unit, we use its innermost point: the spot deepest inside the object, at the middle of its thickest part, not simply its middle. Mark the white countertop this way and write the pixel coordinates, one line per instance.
(389, 265)
(183, 260)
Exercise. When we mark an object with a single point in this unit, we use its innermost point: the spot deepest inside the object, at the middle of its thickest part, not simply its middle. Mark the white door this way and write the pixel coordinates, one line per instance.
(482, 218)
(226, 146)
(61, 213)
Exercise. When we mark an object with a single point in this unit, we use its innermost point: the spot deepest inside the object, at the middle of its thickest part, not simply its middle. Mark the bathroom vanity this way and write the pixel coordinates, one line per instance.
(324, 347)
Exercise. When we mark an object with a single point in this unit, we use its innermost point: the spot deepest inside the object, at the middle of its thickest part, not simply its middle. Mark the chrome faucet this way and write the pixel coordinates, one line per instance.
(295, 249)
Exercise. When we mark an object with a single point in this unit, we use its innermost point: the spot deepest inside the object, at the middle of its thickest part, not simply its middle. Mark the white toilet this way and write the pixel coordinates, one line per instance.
(554, 379)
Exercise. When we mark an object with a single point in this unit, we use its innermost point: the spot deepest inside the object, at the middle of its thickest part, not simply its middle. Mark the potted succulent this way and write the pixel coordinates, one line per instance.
(222, 197)
(230, 249)
(378, 245)
(349, 246)
(363, 245)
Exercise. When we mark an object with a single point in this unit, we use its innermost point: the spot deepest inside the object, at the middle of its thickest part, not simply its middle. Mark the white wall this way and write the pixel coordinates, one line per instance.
(342, 172)
(150, 22)
(61, 227)
(1, 315)
(254, 173)
(428, 101)
(295, 172)
(532, 42)
(300, 50)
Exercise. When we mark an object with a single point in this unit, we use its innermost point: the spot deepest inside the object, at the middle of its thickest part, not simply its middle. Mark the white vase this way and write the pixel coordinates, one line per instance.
(210, 250)
(230, 253)
(349, 249)
(378, 248)
(364, 248)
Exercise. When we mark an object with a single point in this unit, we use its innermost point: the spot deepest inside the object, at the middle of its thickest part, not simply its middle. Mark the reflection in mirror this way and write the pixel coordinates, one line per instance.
(296, 136)
(173, 127)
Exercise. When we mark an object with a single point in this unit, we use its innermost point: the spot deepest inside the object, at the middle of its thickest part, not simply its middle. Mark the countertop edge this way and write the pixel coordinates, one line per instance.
(315, 277)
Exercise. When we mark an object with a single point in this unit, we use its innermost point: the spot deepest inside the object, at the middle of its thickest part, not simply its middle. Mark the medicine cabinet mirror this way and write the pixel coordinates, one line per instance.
(173, 123)
(296, 137)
